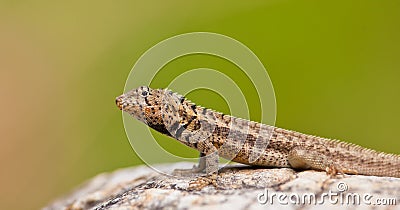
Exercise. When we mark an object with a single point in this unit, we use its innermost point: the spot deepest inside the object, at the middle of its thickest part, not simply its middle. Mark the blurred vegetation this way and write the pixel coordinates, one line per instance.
(334, 66)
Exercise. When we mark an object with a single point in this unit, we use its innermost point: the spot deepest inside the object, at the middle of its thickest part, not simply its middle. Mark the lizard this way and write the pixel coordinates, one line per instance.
(215, 135)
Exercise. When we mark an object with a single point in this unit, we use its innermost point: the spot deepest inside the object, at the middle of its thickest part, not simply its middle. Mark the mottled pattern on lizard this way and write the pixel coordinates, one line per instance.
(215, 135)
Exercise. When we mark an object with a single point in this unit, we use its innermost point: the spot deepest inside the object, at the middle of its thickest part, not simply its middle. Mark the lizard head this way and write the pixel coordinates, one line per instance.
(161, 109)
(145, 104)
(137, 102)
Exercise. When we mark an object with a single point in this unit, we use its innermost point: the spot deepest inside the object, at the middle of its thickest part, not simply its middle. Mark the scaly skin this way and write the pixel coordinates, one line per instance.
(214, 134)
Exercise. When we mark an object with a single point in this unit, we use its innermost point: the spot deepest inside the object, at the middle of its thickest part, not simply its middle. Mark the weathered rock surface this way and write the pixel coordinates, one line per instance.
(239, 187)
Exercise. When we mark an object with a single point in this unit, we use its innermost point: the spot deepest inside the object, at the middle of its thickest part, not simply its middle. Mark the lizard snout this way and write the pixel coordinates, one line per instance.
(119, 103)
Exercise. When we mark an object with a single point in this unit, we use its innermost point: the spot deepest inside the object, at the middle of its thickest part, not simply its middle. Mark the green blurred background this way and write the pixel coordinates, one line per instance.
(335, 68)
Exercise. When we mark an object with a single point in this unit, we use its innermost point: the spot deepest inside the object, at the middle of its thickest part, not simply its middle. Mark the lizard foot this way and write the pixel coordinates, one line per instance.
(332, 171)
(200, 182)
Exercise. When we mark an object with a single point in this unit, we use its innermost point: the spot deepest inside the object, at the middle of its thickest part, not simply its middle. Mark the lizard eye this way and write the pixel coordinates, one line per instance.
(145, 93)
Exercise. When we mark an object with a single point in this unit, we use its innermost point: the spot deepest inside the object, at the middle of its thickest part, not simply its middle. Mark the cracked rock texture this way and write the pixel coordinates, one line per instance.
(239, 187)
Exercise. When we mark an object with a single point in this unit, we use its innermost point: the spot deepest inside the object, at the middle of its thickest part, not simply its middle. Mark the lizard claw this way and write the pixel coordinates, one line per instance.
(200, 182)
(332, 171)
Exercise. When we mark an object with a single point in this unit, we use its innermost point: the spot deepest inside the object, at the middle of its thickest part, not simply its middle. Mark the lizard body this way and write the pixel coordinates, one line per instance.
(215, 135)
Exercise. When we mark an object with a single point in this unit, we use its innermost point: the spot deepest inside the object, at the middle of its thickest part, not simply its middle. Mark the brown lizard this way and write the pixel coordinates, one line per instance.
(215, 135)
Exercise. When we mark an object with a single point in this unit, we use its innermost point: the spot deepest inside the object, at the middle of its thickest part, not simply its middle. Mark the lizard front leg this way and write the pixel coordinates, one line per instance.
(208, 163)
(196, 168)
(211, 172)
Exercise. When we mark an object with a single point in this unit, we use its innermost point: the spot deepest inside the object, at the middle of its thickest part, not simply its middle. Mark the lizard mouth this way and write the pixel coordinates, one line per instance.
(119, 103)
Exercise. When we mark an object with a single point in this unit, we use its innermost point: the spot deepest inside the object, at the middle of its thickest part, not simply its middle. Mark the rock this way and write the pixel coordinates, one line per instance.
(239, 187)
